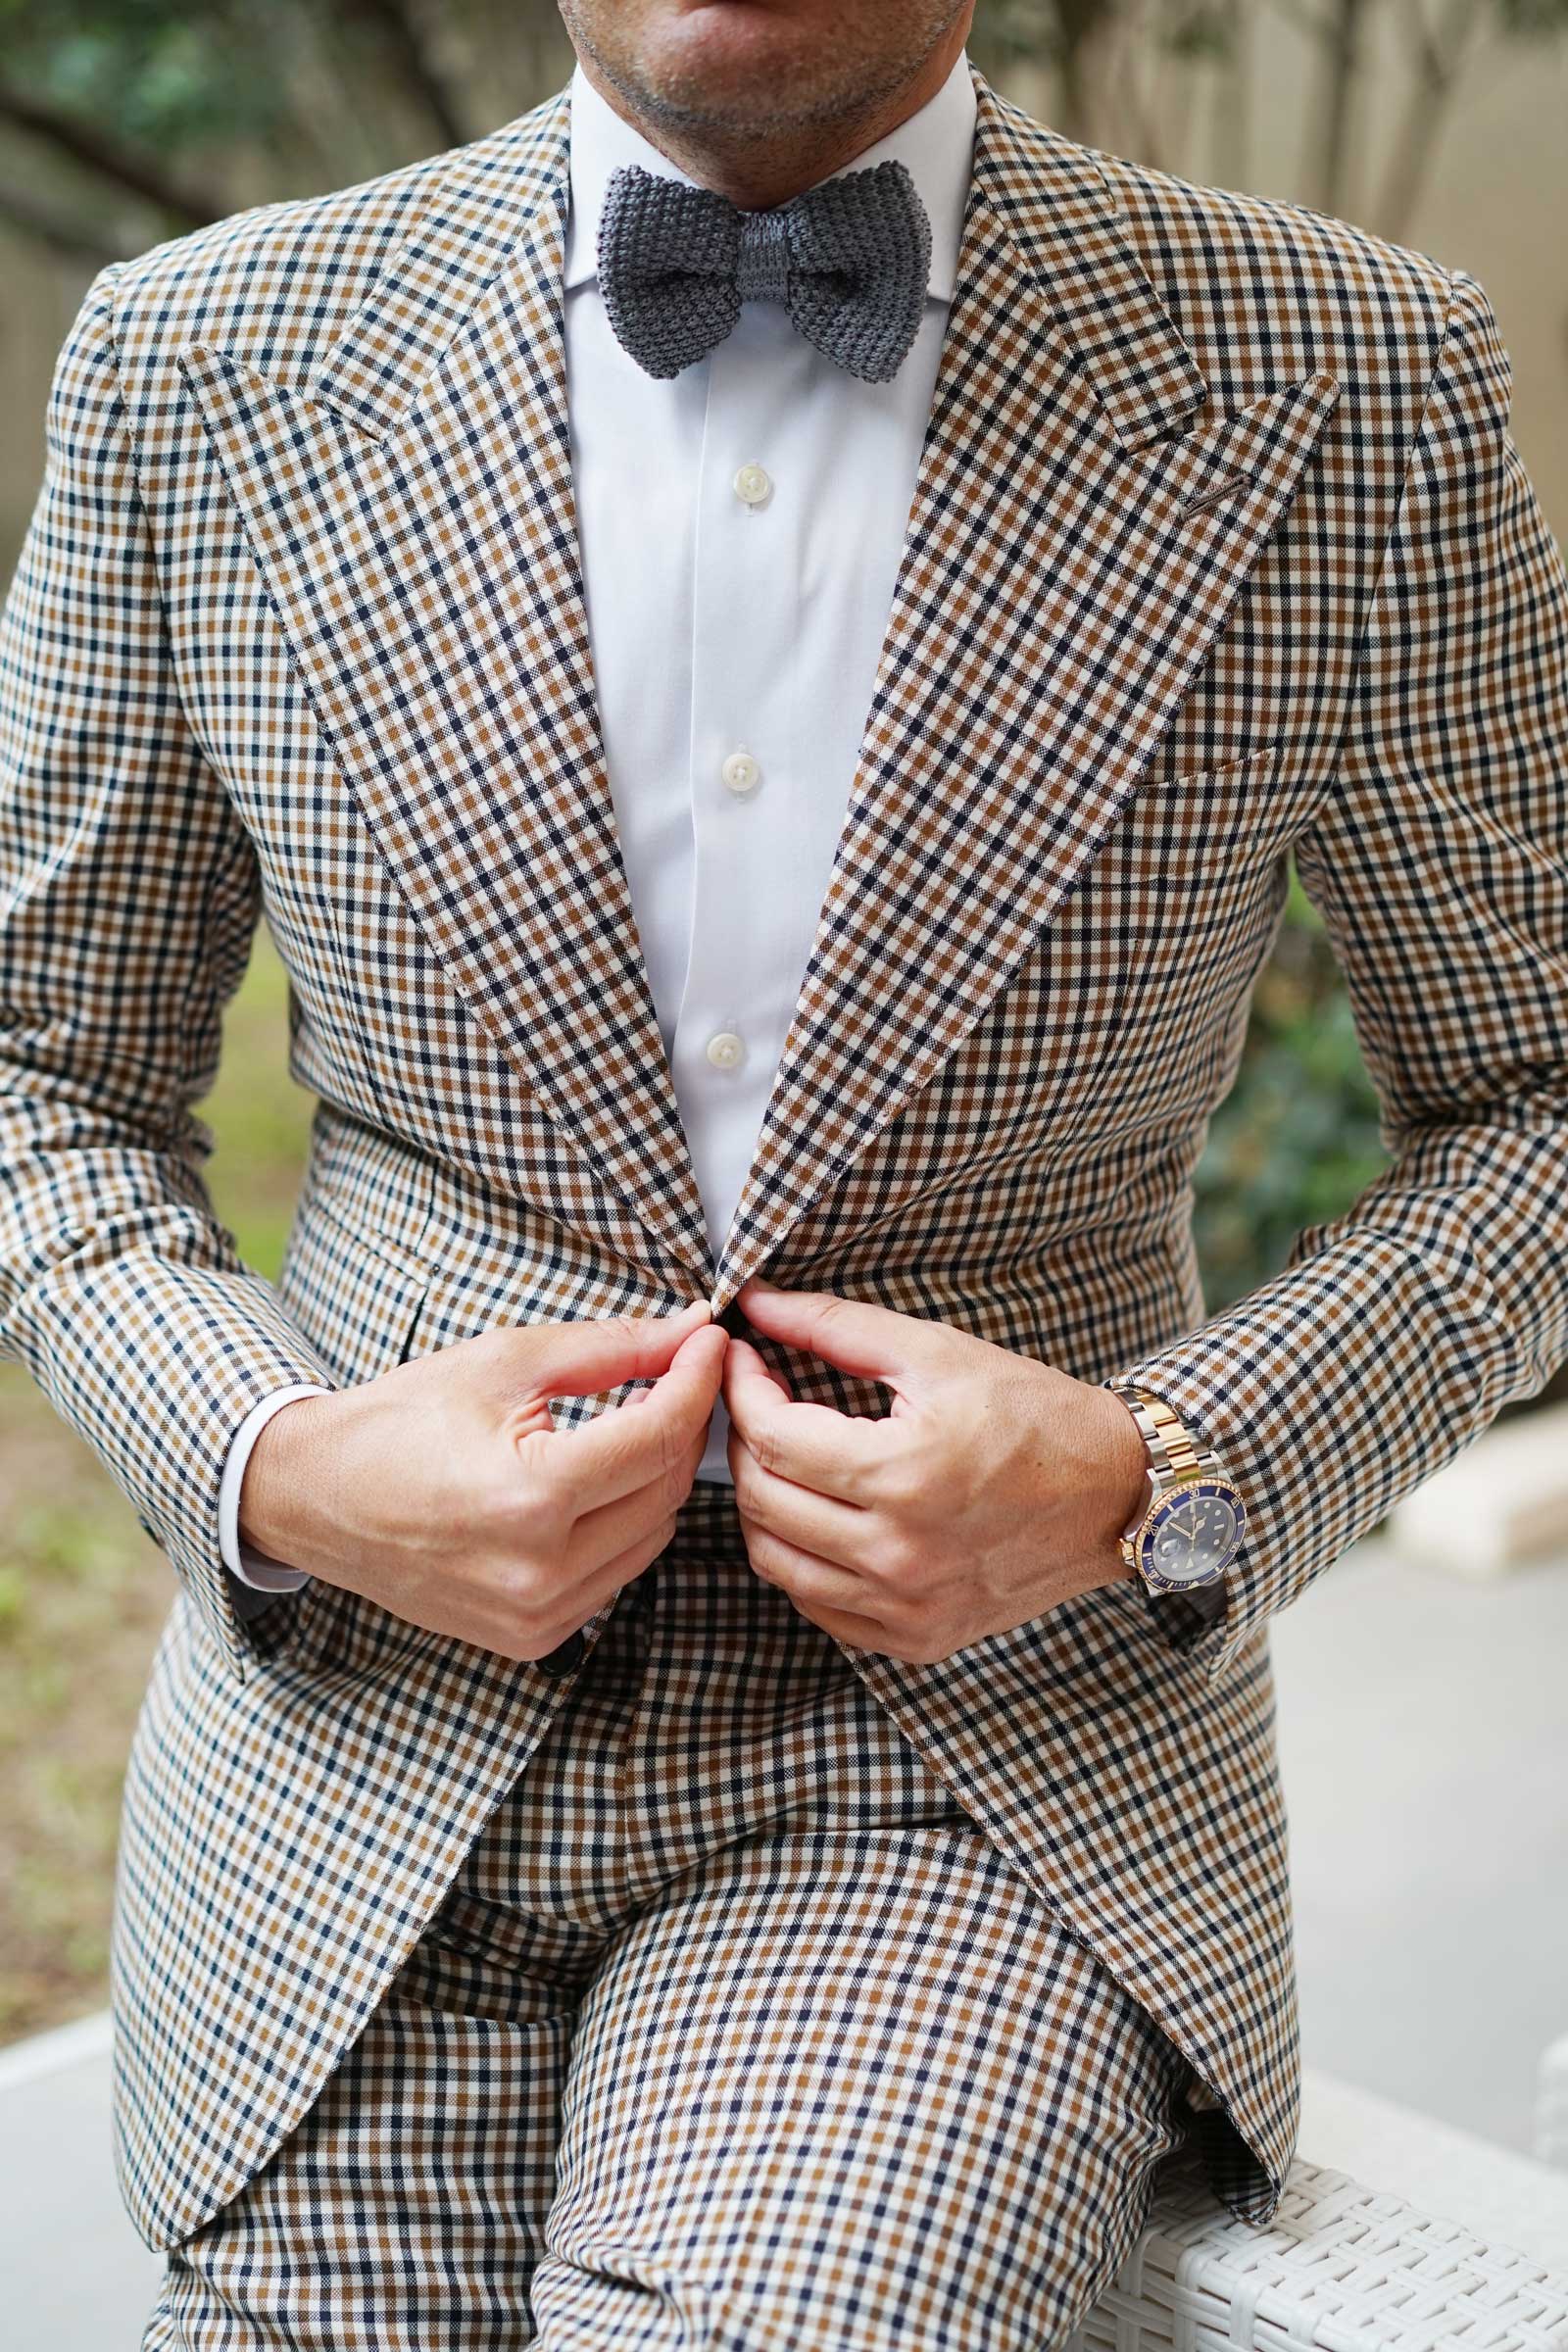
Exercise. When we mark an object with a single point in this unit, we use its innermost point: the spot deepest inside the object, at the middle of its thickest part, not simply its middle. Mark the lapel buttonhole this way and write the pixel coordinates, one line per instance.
(1218, 491)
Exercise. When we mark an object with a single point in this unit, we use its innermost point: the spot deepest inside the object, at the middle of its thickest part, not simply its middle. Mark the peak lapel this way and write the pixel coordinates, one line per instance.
(412, 511)
(1066, 567)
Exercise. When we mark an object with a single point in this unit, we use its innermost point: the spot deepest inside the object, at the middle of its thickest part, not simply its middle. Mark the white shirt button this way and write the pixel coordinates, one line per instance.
(753, 484)
(740, 772)
(724, 1049)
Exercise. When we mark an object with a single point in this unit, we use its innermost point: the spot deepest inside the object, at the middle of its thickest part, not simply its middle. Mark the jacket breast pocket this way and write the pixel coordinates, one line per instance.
(1193, 873)
(1134, 1004)
(1236, 817)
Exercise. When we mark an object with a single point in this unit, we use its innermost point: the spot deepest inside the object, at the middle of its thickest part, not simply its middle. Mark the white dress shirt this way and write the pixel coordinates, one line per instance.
(740, 528)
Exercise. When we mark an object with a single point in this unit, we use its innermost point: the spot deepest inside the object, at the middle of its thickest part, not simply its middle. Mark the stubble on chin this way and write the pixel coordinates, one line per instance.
(693, 94)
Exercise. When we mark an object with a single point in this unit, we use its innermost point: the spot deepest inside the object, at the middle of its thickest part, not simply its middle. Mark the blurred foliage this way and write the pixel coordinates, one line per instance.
(175, 78)
(151, 116)
(259, 1117)
(82, 1593)
(1297, 1137)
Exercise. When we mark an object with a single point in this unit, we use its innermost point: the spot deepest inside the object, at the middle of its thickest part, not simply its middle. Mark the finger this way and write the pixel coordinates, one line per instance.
(855, 1334)
(609, 1528)
(807, 1583)
(589, 1598)
(846, 1533)
(811, 1445)
(752, 1358)
(578, 1359)
(617, 1452)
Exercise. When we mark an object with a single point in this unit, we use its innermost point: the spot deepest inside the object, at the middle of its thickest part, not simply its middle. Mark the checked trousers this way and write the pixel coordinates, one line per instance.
(733, 2032)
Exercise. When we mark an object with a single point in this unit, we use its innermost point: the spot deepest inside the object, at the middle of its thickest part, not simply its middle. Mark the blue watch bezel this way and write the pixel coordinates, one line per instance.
(1158, 1513)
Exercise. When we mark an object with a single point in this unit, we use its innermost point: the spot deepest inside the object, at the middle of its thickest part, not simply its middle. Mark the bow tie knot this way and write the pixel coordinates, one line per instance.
(762, 258)
(849, 258)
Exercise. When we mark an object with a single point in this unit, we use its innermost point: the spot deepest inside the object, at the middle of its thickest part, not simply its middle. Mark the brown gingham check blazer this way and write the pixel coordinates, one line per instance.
(1220, 546)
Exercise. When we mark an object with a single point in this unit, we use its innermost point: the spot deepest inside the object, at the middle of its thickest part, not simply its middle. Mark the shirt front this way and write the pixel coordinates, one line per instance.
(740, 528)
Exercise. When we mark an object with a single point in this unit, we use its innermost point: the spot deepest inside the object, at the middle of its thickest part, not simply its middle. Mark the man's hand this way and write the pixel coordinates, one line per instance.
(442, 1491)
(993, 1489)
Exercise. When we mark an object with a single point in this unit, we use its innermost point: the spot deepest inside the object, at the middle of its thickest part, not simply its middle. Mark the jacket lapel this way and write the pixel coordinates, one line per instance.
(411, 510)
(1078, 534)
(1071, 553)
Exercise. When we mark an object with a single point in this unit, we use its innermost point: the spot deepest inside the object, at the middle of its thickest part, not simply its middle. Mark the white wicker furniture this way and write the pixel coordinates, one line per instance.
(1342, 2268)
(1551, 2105)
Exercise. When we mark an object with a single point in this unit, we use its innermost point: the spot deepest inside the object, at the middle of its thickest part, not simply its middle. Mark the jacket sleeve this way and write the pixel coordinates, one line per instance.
(1439, 865)
(128, 901)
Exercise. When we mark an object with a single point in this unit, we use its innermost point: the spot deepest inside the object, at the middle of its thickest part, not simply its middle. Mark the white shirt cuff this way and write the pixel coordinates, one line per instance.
(251, 1566)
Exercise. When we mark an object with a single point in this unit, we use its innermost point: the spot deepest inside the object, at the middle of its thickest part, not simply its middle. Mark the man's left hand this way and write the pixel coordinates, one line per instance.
(995, 1488)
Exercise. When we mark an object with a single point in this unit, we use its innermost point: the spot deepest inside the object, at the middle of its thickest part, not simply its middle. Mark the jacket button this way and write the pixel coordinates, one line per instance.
(563, 1658)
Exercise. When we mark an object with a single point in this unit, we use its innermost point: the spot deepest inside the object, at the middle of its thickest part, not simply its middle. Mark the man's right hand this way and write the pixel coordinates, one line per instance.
(442, 1491)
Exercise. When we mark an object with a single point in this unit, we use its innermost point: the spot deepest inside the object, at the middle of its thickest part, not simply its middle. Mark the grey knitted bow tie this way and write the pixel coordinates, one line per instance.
(849, 258)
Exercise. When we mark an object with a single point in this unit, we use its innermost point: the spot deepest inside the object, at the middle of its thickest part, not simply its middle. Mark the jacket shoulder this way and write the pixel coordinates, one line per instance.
(1263, 287)
(279, 280)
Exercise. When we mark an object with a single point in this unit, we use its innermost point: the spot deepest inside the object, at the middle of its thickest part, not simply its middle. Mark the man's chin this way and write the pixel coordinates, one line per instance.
(734, 68)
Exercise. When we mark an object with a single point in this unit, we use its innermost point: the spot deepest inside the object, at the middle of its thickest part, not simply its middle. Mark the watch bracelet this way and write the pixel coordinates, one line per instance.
(1176, 1454)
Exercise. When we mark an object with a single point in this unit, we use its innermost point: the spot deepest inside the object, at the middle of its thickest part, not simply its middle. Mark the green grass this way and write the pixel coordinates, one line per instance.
(259, 1117)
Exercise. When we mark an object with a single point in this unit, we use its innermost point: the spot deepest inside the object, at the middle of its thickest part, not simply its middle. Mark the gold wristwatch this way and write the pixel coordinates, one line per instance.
(1191, 1526)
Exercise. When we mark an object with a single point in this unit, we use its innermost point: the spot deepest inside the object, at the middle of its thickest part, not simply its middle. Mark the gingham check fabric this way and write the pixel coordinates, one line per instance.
(1220, 544)
(733, 2032)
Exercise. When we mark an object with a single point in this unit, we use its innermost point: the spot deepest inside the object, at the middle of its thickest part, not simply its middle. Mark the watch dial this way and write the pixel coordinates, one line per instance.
(1197, 1534)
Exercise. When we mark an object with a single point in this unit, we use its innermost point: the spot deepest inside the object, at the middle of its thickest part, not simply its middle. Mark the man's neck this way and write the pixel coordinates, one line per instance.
(755, 173)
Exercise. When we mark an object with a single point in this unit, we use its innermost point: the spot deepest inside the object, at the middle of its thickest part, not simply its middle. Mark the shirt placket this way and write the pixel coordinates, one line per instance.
(744, 965)
(743, 971)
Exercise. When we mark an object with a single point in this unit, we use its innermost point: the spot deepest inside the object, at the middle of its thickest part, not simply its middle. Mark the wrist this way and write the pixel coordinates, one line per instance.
(279, 1484)
(1124, 1483)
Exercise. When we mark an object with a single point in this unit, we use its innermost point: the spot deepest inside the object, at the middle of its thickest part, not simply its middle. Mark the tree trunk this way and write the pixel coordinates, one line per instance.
(1326, 174)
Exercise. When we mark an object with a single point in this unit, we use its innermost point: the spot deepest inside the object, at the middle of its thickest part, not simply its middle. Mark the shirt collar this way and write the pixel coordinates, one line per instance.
(936, 145)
